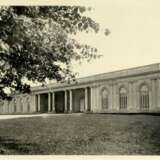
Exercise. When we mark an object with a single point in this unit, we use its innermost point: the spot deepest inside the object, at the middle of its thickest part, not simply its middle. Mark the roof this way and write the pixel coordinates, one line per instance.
(141, 70)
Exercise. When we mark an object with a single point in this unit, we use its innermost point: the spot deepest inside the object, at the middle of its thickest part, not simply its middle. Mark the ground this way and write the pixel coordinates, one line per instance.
(81, 134)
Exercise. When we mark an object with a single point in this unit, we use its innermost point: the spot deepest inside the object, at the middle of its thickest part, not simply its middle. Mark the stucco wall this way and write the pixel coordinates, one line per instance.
(28, 103)
(77, 96)
(24, 103)
(132, 86)
(59, 102)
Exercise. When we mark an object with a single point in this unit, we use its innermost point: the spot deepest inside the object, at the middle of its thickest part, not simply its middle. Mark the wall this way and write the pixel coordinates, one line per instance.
(59, 102)
(78, 94)
(43, 103)
(23, 103)
(132, 85)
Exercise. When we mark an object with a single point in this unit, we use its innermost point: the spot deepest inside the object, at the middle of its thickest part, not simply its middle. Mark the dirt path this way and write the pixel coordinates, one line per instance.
(2, 117)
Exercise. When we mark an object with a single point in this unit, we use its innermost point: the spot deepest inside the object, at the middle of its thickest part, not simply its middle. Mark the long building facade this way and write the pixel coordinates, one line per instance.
(135, 90)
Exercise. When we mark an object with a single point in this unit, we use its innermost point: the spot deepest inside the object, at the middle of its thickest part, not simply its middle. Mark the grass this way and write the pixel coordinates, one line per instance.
(87, 134)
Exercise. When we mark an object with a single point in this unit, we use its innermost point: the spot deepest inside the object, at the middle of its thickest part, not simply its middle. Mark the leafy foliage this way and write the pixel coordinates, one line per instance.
(35, 44)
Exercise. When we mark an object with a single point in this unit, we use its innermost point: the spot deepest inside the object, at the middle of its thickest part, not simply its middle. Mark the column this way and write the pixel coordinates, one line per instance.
(96, 96)
(33, 104)
(134, 102)
(158, 94)
(7, 106)
(110, 107)
(150, 100)
(39, 104)
(137, 94)
(91, 97)
(4, 106)
(86, 99)
(154, 94)
(53, 102)
(130, 96)
(65, 101)
(49, 102)
(70, 100)
(138, 107)
(115, 97)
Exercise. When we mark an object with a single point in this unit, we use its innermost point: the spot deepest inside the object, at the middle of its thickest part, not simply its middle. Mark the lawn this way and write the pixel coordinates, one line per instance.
(87, 134)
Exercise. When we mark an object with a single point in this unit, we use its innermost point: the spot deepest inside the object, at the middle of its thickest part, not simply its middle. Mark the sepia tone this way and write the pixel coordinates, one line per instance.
(134, 90)
(102, 112)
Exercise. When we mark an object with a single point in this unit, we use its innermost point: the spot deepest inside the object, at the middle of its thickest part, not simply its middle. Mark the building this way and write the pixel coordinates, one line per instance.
(135, 90)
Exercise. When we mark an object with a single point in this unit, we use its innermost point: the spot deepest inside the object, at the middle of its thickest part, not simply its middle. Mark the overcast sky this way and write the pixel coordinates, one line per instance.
(134, 38)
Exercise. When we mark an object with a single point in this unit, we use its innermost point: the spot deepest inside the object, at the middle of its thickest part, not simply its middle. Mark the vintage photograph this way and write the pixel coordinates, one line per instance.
(80, 79)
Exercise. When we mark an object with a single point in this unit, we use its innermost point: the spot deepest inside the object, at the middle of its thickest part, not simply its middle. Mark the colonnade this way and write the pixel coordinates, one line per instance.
(68, 100)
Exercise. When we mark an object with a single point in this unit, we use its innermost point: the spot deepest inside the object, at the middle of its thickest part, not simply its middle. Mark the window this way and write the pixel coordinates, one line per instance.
(104, 101)
(28, 105)
(21, 105)
(123, 98)
(144, 97)
(15, 106)
(1, 106)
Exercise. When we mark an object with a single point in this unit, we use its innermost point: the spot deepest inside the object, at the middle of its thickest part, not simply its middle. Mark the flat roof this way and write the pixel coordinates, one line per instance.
(147, 69)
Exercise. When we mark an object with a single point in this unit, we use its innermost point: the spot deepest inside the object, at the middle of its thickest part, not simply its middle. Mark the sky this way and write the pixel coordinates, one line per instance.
(134, 38)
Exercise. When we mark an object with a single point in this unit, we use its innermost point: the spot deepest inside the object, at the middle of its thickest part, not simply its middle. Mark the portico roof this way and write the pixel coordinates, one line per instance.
(142, 70)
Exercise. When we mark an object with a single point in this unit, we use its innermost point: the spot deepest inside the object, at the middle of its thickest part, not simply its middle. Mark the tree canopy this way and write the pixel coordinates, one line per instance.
(36, 44)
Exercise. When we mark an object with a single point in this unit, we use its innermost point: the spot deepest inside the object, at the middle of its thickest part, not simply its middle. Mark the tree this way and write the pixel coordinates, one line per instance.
(36, 44)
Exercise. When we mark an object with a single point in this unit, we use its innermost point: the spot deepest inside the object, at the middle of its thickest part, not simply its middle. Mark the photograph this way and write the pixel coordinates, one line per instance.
(80, 78)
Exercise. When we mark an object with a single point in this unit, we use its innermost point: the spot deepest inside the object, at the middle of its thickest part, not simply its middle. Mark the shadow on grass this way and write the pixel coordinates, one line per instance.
(142, 113)
(14, 146)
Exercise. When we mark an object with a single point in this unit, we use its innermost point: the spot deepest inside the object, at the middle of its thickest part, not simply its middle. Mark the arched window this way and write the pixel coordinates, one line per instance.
(144, 97)
(8, 106)
(1, 106)
(104, 100)
(21, 105)
(123, 98)
(28, 104)
(15, 106)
